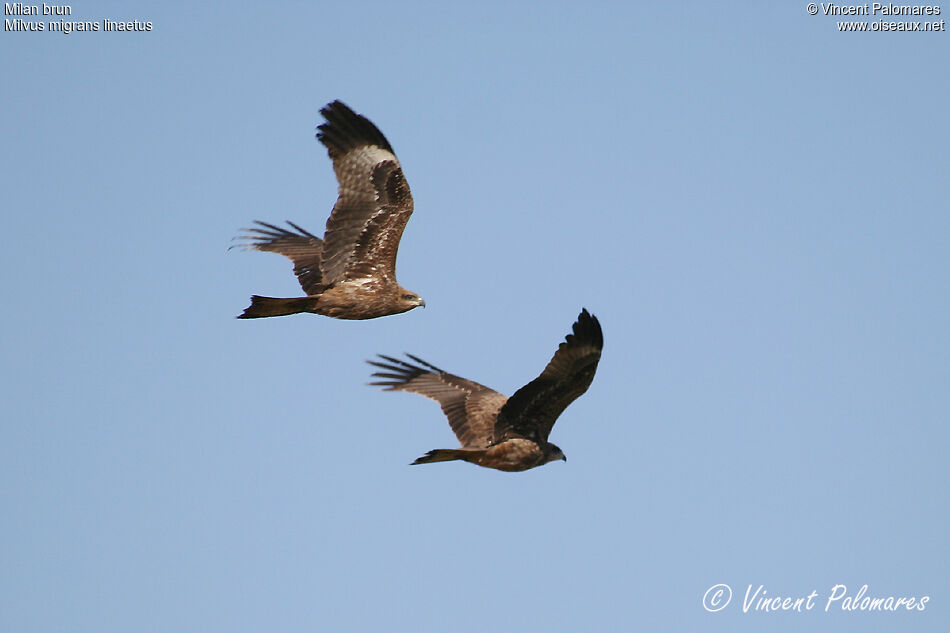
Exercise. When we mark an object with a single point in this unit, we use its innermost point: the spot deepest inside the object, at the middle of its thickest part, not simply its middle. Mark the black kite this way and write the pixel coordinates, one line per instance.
(508, 434)
(351, 272)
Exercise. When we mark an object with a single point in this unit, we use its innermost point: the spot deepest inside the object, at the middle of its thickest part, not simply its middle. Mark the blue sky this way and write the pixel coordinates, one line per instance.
(753, 204)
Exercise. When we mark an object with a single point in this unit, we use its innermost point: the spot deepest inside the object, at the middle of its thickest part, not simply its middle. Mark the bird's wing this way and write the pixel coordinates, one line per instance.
(470, 407)
(302, 248)
(533, 409)
(374, 204)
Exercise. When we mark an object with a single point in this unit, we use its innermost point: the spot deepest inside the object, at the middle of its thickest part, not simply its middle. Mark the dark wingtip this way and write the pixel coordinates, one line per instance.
(398, 372)
(424, 363)
(264, 234)
(345, 130)
(587, 330)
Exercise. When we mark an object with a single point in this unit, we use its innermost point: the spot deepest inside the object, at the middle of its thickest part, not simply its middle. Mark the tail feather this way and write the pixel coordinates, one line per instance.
(274, 306)
(447, 455)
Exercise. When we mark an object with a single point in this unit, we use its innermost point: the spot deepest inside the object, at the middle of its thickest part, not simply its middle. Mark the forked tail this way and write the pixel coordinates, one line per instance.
(274, 306)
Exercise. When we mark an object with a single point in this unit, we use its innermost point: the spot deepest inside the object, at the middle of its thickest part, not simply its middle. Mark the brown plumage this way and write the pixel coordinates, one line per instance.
(497, 432)
(351, 272)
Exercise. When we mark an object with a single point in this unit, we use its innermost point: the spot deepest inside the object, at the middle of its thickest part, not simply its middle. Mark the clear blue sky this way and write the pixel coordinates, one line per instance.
(753, 204)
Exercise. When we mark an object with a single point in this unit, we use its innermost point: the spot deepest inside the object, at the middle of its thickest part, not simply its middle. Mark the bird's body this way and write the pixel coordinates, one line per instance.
(354, 299)
(351, 272)
(512, 455)
(509, 434)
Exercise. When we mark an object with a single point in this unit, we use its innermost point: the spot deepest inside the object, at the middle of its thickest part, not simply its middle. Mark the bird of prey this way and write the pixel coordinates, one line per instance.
(351, 272)
(508, 434)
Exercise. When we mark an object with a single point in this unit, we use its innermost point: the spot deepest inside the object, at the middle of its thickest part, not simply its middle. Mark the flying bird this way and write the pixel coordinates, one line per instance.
(351, 272)
(508, 434)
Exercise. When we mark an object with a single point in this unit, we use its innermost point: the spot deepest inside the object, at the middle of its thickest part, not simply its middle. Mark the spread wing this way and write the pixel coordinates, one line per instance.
(470, 407)
(302, 248)
(533, 409)
(374, 204)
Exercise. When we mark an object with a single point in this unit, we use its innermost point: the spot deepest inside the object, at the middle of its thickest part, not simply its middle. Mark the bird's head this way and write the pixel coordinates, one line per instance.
(410, 300)
(554, 453)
